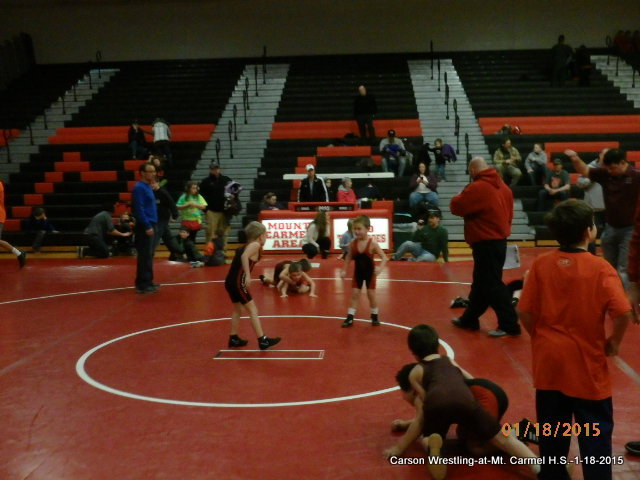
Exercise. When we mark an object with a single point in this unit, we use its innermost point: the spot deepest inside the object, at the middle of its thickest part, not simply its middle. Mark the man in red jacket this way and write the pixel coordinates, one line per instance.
(486, 205)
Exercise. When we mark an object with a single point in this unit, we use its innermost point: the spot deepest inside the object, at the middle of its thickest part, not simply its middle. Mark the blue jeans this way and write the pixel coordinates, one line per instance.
(555, 408)
(440, 171)
(416, 197)
(415, 249)
(395, 164)
(615, 248)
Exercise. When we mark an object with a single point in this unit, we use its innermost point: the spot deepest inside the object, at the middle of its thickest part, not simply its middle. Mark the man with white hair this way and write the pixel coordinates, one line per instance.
(486, 205)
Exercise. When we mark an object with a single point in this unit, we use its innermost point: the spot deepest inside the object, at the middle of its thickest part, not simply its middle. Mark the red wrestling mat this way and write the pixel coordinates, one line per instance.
(98, 382)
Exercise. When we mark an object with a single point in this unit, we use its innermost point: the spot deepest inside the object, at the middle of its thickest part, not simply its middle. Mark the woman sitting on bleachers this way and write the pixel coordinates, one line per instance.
(424, 186)
(345, 191)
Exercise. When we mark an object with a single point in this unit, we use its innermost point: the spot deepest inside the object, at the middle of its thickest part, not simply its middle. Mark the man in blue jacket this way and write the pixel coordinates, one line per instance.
(146, 213)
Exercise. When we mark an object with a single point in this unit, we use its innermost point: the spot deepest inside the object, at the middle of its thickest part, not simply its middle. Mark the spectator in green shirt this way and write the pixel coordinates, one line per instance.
(428, 242)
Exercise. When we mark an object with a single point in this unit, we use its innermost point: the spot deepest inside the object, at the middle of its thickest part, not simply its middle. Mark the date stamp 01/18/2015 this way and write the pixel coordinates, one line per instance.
(555, 430)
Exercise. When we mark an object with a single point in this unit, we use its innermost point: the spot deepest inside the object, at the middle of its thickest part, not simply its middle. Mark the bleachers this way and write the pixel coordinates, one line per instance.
(513, 88)
(315, 122)
(27, 96)
(88, 162)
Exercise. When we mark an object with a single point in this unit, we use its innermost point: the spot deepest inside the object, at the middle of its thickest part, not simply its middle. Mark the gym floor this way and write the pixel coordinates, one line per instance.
(98, 382)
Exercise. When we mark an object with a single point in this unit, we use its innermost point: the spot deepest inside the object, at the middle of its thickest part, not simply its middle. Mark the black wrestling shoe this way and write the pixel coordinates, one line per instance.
(266, 342)
(235, 341)
(526, 432)
(374, 320)
(348, 322)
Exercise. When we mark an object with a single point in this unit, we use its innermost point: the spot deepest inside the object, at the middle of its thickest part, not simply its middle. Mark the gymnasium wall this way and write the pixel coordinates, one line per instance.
(73, 30)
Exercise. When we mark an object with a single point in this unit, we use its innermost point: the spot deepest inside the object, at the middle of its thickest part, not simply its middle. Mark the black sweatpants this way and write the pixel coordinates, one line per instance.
(488, 289)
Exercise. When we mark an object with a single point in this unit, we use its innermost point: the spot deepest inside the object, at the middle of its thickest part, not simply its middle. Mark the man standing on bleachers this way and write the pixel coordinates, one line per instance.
(312, 188)
(620, 185)
(364, 111)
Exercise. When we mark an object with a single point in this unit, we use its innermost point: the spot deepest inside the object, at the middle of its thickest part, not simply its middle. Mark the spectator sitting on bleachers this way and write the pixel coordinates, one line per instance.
(331, 192)
(38, 225)
(536, 164)
(507, 161)
(312, 188)
(427, 243)
(424, 187)
(137, 141)
(97, 233)
(345, 191)
(394, 155)
(556, 185)
(270, 202)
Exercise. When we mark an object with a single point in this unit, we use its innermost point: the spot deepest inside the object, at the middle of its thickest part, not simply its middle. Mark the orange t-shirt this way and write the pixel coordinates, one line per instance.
(568, 295)
(3, 212)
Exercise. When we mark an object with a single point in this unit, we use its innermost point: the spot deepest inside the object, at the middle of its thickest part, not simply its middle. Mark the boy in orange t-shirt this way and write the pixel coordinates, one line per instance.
(569, 344)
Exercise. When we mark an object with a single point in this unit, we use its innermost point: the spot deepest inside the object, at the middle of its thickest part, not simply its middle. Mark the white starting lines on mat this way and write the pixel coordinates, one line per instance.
(269, 355)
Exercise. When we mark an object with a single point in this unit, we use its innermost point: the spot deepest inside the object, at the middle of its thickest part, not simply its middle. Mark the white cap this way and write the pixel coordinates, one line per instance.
(309, 167)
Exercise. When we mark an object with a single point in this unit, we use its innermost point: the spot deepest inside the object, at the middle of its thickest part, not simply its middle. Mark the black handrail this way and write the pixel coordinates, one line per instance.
(455, 106)
(255, 71)
(230, 129)
(446, 98)
(30, 134)
(90, 80)
(466, 142)
(245, 102)
(44, 118)
(64, 107)
(431, 48)
(235, 125)
(246, 88)
(264, 65)
(438, 74)
(218, 148)
(608, 42)
(98, 60)
(75, 96)
(633, 78)
(617, 65)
